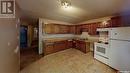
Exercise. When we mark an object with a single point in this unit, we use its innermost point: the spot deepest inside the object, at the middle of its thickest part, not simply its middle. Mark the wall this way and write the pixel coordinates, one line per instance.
(9, 45)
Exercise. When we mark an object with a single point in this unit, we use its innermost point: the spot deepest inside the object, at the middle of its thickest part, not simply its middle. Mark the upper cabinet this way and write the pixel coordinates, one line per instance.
(48, 28)
(58, 29)
(116, 21)
(64, 29)
(78, 29)
(72, 29)
(90, 28)
(51, 29)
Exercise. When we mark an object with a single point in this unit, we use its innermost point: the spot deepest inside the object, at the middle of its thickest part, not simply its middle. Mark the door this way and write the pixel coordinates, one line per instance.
(119, 55)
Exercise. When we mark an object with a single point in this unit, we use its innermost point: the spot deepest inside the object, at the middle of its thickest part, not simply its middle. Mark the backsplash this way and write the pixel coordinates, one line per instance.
(47, 36)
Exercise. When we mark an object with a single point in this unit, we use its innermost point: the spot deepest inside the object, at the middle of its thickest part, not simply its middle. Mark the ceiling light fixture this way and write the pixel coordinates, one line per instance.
(65, 3)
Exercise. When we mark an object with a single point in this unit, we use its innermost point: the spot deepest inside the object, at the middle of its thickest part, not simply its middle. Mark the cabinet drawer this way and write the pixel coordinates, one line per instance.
(49, 49)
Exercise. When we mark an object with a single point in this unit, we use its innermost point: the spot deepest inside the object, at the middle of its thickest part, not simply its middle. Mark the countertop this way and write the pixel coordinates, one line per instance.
(52, 40)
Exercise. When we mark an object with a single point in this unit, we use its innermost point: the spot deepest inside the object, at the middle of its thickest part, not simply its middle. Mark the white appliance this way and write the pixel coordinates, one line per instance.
(101, 48)
(119, 52)
(101, 52)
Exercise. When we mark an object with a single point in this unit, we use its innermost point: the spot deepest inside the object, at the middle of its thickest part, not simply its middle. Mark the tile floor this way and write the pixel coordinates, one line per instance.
(68, 61)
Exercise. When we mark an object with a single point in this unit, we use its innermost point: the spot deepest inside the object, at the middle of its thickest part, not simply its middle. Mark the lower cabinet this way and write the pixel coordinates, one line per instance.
(59, 46)
(55, 47)
(82, 46)
(49, 49)
(69, 44)
(66, 44)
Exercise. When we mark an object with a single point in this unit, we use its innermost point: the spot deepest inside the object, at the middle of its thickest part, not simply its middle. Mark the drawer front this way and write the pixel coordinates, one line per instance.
(49, 49)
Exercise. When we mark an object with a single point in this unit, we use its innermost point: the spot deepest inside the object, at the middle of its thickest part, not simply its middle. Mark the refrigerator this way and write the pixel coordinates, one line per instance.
(119, 52)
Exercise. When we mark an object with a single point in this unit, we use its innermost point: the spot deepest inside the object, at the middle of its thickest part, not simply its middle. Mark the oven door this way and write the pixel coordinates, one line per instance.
(101, 49)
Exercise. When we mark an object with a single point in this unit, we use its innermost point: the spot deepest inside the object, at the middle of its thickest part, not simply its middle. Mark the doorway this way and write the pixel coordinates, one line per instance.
(23, 37)
(28, 45)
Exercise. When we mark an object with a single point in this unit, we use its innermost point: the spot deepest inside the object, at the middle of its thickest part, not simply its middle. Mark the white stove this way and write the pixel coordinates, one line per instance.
(101, 52)
(101, 48)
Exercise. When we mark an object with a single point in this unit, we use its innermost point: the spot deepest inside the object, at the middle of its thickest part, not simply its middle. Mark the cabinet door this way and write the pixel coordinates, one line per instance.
(87, 47)
(77, 45)
(64, 29)
(85, 28)
(116, 21)
(56, 29)
(82, 46)
(61, 45)
(92, 28)
(48, 28)
(78, 29)
(69, 44)
(71, 29)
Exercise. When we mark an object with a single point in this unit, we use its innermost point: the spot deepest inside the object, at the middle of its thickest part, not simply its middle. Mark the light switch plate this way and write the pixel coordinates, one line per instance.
(16, 50)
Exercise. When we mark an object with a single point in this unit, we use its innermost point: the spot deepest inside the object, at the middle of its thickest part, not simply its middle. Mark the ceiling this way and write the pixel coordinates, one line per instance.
(81, 10)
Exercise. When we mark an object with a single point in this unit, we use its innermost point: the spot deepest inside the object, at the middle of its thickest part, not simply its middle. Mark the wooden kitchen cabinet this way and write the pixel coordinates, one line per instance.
(48, 28)
(60, 45)
(116, 21)
(90, 28)
(78, 29)
(49, 49)
(82, 46)
(77, 45)
(51, 29)
(57, 29)
(66, 44)
(120, 21)
(87, 47)
(72, 29)
(70, 44)
(64, 29)
(55, 47)
(85, 28)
